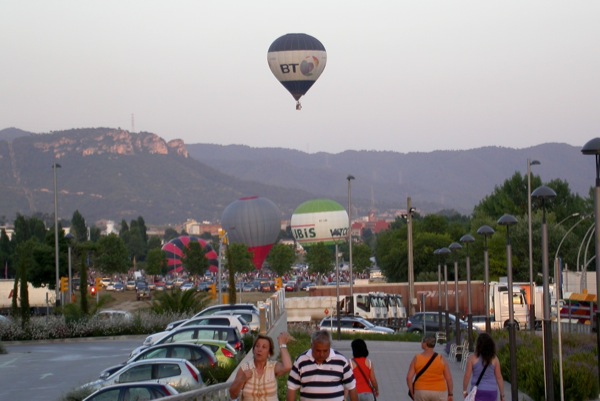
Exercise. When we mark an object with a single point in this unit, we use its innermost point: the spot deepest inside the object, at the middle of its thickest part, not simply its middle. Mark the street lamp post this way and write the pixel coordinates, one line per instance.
(592, 147)
(454, 248)
(544, 194)
(531, 283)
(335, 236)
(468, 239)
(411, 268)
(444, 252)
(436, 252)
(509, 220)
(350, 178)
(69, 237)
(56, 263)
(486, 231)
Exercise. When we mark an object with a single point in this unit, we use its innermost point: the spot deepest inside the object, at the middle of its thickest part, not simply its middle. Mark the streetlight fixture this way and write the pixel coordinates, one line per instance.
(468, 239)
(437, 253)
(335, 236)
(350, 178)
(531, 283)
(592, 147)
(444, 252)
(509, 220)
(411, 264)
(544, 194)
(454, 248)
(69, 237)
(56, 263)
(486, 231)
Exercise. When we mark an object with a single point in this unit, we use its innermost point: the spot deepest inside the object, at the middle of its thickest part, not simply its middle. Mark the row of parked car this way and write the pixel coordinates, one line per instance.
(174, 357)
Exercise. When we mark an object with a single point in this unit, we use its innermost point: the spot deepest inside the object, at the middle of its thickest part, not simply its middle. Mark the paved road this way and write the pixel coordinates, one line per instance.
(392, 359)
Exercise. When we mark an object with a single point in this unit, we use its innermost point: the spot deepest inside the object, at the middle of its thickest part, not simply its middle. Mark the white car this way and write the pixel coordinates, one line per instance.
(353, 325)
(253, 319)
(171, 371)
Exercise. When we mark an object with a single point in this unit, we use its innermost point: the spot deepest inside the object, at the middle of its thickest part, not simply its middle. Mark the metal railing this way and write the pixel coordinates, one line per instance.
(272, 317)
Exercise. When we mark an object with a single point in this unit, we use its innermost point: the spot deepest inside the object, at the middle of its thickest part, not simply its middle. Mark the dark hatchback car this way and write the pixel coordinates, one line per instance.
(428, 322)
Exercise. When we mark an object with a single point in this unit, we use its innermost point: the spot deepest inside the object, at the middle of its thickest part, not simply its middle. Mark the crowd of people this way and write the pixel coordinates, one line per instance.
(323, 373)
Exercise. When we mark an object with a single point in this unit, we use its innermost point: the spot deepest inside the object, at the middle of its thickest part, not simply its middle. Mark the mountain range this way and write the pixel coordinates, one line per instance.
(108, 173)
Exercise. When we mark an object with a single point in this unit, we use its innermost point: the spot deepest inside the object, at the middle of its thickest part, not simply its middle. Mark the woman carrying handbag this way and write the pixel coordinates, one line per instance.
(485, 366)
(429, 377)
(364, 372)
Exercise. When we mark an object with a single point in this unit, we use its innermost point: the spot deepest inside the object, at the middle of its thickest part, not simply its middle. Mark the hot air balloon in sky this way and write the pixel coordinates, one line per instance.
(174, 252)
(255, 222)
(315, 220)
(297, 60)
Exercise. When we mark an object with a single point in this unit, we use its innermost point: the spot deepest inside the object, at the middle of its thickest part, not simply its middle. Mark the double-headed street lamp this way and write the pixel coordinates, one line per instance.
(350, 178)
(592, 148)
(411, 265)
(486, 231)
(455, 247)
(544, 194)
(468, 239)
(531, 283)
(335, 236)
(508, 220)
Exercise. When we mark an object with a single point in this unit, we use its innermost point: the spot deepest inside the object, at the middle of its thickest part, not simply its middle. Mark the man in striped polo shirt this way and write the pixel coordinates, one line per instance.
(321, 373)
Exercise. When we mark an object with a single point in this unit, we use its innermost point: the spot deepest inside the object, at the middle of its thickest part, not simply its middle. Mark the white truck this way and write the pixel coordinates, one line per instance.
(41, 299)
(499, 312)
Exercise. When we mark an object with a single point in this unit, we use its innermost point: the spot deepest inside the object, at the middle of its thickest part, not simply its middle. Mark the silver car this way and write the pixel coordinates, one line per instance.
(171, 371)
(352, 325)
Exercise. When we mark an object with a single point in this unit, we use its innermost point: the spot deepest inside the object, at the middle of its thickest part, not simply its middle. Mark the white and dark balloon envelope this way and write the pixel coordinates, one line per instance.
(297, 60)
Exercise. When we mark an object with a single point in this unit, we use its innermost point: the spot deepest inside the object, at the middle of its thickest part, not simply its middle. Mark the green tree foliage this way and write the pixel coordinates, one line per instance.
(25, 259)
(112, 256)
(320, 259)
(194, 258)
(26, 228)
(156, 262)
(170, 233)
(95, 234)
(154, 243)
(238, 260)
(78, 227)
(178, 301)
(280, 259)
(361, 258)
(6, 251)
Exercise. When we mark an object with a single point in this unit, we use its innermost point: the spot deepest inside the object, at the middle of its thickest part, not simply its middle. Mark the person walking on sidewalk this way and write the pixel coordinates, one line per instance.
(429, 377)
(364, 371)
(491, 381)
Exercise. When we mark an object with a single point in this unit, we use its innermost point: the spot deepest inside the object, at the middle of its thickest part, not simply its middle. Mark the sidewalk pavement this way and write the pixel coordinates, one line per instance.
(391, 361)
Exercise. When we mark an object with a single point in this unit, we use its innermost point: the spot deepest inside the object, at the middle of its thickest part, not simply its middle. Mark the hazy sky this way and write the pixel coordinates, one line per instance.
(401, 75)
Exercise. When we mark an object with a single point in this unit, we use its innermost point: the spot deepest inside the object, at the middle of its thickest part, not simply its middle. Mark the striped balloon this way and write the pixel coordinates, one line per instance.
(297, 60)
(174, 252)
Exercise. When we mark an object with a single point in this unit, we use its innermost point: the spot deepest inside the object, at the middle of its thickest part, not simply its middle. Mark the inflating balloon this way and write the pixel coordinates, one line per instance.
(297, 60)
(319, 221)
(174, 252)
(255, 222)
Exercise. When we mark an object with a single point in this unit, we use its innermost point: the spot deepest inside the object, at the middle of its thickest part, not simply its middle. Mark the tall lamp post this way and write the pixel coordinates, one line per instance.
(350, 178)
(335, 236)
(437, 253)
(56, 263)
(509, 220)
(592, 147)
(411, 264)
(531, 283)
(454, 248)
(444, 252)
(544, 194)
(69, 237)
(486, 231)
(468, 239)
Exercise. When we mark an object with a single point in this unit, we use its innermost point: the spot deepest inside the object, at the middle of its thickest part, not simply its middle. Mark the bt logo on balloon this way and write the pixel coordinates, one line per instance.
(308, 65)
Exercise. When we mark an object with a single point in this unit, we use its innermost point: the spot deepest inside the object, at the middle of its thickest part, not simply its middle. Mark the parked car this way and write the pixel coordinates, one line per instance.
(114, 315)
(428, 321)
(200, 356)
(130, 285)
(212, 309)
(352, 324)
(250, 317)
(192, 333)
(204, 286)
(291, 286)
(248, 287)
(142, 292)
(211, 320)
(105, 281)
(175, 372)
(118, 287)
(187, 286)
(132, 391)
(306, 285)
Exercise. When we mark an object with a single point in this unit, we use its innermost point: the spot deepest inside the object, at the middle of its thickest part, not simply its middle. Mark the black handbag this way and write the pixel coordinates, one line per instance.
(367, 380)
(422, 371)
